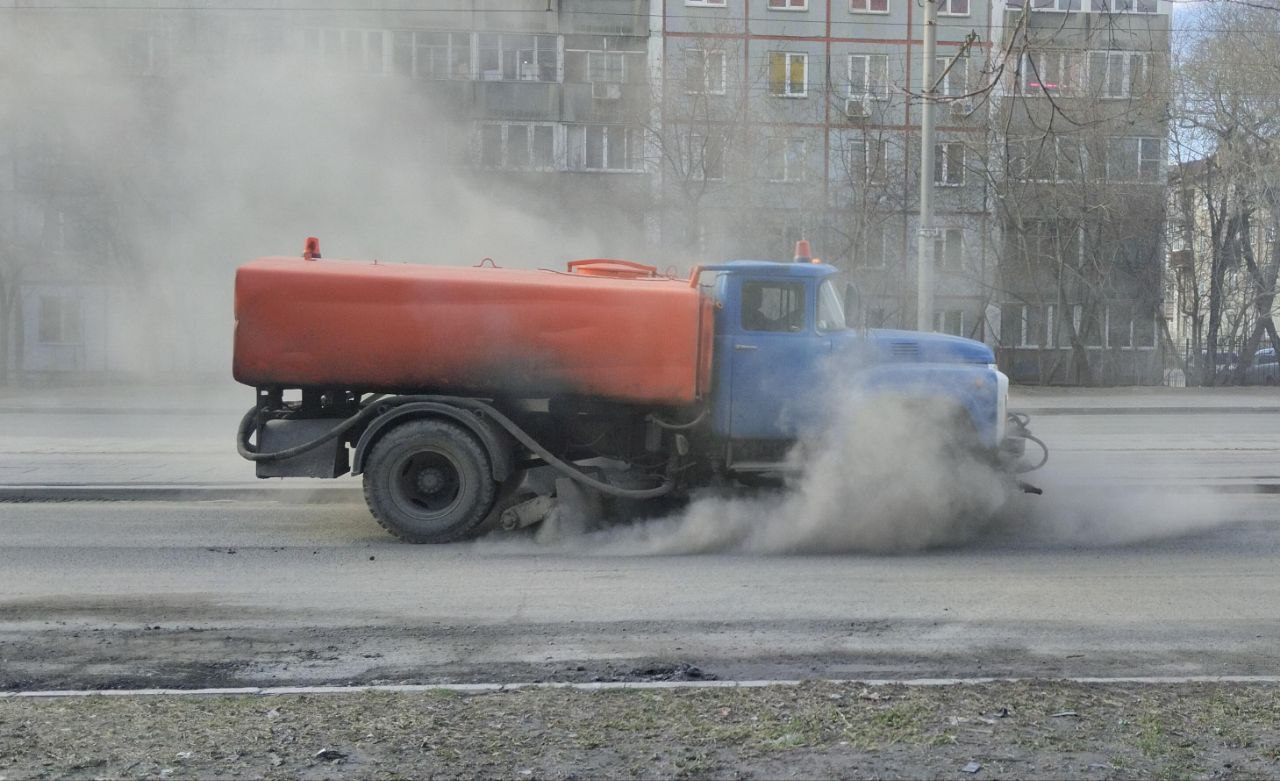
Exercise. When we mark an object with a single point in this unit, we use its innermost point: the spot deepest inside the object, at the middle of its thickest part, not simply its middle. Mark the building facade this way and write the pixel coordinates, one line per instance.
(1080, 165)
(147, 151)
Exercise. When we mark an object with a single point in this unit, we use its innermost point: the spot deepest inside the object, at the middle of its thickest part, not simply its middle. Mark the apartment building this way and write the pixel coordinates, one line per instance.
(790, 118)
(1081, 190)
(144, 151)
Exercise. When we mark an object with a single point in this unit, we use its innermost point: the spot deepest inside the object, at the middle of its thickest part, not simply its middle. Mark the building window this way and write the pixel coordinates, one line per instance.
(869, 6)
(869, 247)
(773, 306)
(787, 157)
(788, 5)
(1023, 325)
(953, 7)
(518, 146)
(1133, 160)
(948, 163)
(708, 3)
(59, 320)
(948, 249)
(869, 76)
(788, 74)
(867, 160)
(1060, 159)
(510, 57)
(432, 55)
(953, 83)
(1049, 73)
(1046, 5)
(949, 321)
(1071, 162)
(1117, 74)
(1126, 6)
(605, 148)
(704, 72)
(360, 51)
(706, 156)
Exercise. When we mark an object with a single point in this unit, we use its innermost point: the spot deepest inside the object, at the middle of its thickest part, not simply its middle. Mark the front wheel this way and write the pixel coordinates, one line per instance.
(429, 481)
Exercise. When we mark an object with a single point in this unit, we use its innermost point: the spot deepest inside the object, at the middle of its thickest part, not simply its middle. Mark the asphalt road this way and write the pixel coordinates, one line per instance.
(1156, 550)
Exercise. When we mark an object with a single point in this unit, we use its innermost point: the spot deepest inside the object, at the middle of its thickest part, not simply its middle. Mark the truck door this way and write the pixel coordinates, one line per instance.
(774, 360)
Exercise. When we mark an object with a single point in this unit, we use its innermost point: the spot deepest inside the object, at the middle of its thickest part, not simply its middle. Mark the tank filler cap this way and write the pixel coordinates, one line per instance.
(612, 267)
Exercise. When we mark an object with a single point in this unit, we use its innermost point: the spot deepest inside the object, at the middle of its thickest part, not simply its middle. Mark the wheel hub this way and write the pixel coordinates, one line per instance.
(430, 480)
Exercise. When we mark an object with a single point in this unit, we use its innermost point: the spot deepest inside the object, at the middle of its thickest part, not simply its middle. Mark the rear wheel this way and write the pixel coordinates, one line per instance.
(429, 481)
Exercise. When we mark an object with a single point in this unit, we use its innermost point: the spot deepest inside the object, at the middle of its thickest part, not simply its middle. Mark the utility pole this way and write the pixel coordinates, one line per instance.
(924, 248)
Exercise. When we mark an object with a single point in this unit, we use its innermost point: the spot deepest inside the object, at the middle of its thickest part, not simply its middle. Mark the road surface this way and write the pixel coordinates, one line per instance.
(1156, 550)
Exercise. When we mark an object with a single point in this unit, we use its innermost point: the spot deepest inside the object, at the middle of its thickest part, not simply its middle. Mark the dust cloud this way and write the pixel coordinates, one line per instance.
(165, 176)
(891, 477)
(887, 477)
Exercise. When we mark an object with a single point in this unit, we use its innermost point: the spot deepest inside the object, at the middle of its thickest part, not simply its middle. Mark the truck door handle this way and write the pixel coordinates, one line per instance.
(745, 347)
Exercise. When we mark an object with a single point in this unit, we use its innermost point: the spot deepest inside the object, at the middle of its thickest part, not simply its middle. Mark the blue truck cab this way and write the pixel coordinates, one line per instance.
(784, 354)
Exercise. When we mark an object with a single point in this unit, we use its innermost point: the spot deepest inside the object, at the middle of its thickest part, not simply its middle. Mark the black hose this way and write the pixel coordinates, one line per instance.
(567, 469)
(249, 452)
(1043, 447)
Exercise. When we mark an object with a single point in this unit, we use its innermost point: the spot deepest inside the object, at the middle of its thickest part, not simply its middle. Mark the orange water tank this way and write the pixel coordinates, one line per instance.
(606, 329)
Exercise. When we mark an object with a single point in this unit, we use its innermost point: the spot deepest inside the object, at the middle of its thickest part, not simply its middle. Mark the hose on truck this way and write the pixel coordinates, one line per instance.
(1021, 419)
(249, 451)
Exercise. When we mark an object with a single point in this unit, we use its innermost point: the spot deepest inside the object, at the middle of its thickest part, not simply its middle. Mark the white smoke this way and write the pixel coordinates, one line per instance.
(889, 476)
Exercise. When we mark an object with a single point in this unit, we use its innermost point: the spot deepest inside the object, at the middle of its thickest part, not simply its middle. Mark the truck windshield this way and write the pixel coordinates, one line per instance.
(830, 310)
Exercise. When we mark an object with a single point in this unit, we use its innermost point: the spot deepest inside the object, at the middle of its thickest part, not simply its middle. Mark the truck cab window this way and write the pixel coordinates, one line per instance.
(773, 306)
(830, 310)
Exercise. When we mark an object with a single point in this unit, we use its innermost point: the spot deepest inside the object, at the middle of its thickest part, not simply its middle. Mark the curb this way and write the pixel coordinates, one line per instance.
(484, 688)
(178, 493)
(1144, 410)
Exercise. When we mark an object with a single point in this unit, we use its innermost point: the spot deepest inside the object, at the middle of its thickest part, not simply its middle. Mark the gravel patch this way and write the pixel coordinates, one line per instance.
(992, 730)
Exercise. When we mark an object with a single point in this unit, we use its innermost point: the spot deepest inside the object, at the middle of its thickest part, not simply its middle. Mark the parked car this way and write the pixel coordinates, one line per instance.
(1265, 369)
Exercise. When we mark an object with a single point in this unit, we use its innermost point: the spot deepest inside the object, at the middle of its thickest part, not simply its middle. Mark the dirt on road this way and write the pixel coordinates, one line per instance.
(991, 730)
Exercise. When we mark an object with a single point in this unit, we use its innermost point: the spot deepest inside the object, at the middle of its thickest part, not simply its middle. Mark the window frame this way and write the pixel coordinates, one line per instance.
(705, 55)
(504, 146)
(947, 4)
(787, 5)
(939, 321)
(961, 68)
(888, 7)
(632, 137)
(782, 154)
(781, 283)
(706, 3)
(1101, 6)
(942, 162)
(504, 48)
(698, 165)
(943, 242)
(867, 59)
(789, 58)
(1068, 76)
(1126, 73)
(1155, 159)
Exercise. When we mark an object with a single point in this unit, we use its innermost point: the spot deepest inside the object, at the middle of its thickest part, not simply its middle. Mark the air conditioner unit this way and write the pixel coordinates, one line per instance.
(857, 108)
(606, 90)
(961, 108)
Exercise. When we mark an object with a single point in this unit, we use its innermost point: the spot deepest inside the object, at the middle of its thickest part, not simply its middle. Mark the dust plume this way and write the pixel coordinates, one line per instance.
(1087, 507)
(888, 477)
